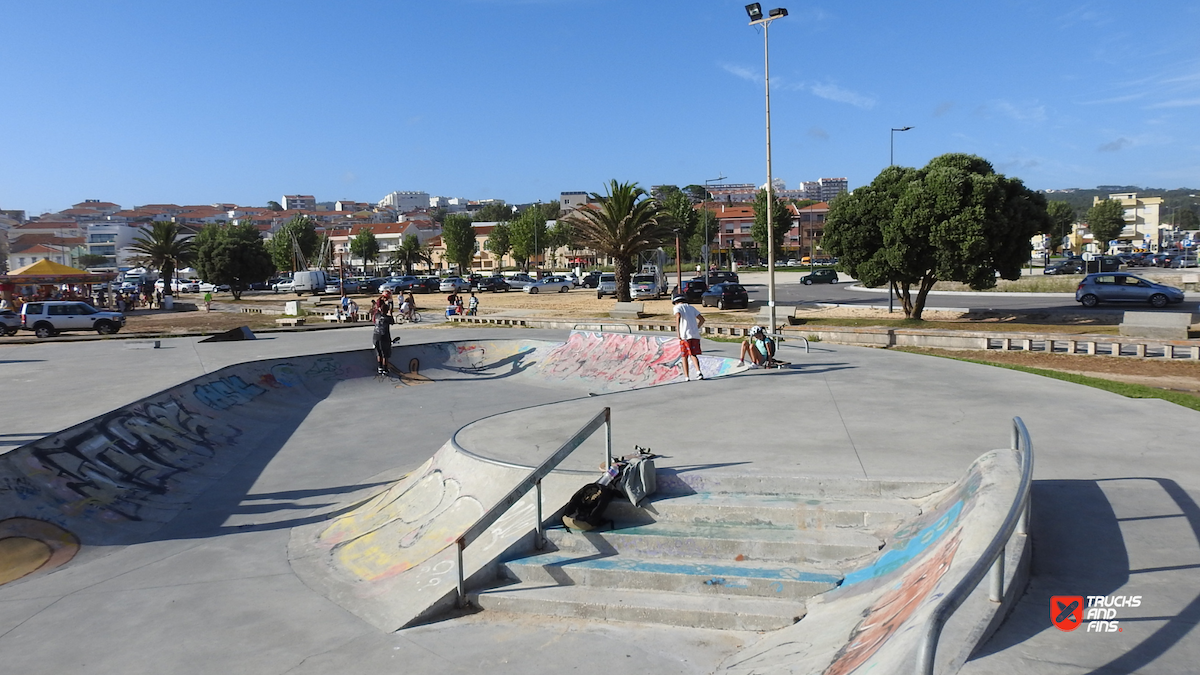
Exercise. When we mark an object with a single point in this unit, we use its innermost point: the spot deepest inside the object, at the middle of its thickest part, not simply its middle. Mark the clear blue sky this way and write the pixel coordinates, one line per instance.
(139, 102)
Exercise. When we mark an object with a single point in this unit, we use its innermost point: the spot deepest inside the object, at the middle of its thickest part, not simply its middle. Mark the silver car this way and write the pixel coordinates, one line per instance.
(1124, 287)
(454, 285)
(607, 285)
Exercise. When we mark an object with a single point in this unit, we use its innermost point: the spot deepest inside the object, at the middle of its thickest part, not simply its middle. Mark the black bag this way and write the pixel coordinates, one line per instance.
(585, 511)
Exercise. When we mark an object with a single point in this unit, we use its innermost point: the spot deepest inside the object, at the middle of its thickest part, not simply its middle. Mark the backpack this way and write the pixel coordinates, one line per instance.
(638, 478)
(585, 511)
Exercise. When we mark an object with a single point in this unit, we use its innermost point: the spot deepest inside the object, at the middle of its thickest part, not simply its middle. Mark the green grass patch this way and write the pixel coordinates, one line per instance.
(992, 326)
(1123, 388)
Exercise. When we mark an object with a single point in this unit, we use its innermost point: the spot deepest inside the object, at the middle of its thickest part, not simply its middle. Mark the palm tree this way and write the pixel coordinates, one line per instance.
(627, 222)
(410, 252)
(162, 247)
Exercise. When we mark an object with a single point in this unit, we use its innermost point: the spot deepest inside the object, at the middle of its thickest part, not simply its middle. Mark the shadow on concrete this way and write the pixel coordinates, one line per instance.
(1079, 549)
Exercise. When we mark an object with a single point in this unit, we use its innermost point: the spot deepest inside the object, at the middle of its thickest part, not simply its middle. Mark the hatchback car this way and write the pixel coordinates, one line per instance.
(51, 317)
(726, 295)
(1122, 287)
(1069, 266)
(494, 284)
(454, 285)
(693, 289)
(550, 285)
(1183, 261)
(825, 276)
(591, 279)
(396, 284)
(519, 280)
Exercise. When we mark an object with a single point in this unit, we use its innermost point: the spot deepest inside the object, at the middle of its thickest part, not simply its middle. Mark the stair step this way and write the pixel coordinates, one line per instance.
(735, 578)
(722, 612)
(715, 541)
(800, 512)
(677, 482)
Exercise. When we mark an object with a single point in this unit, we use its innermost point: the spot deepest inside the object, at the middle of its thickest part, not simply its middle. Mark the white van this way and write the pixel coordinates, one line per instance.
(309, 281)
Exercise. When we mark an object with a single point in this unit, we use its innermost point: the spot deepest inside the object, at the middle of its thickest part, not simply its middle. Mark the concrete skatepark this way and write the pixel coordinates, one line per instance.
(206, 582)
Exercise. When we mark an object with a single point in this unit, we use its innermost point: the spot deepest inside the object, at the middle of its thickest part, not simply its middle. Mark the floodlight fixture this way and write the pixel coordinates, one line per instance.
(778, 13)
(755, 11)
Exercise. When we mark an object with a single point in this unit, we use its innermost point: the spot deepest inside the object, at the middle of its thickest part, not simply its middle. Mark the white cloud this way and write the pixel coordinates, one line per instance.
(1022, 113)
(832, 92)
(1176, 103)
(829, 92)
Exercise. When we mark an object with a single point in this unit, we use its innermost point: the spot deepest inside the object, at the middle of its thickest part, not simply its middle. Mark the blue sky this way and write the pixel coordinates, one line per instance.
(192, 103)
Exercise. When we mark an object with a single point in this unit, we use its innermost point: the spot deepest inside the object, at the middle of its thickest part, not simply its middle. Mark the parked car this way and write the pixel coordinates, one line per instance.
(10, 322)
(825, 276)
(607, 285)
(720, 276)
(177, 286)
(494, 284)
(576, 282)
(310, 281)
(692, 290)
(474, 279)
(427, 285)
(206, 287)
(519, 280)
(591, 279)
(286, 285)
(1068, 266)
(1184, 260)
(396, 284)
(1124, 287)
(51, 317)
(370, 286)
(257, 286)
(726, 295)
(549, 285)
(454, 285)
(643, 287)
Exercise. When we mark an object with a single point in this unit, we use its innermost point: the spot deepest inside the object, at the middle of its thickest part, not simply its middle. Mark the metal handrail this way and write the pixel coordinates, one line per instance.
(602, 325)
(780, 338)
(992, 560)
(530, 482)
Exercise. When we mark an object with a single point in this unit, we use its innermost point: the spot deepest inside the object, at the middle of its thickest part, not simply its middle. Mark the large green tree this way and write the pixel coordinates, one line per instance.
(458, 236)
(561, 234)
(234, 255)
(527, 236)
(498, 243)
(303, 231)
(365, 246)
(1105, 221)
(781, 222)
(410, 252)
(956, 219)
(165, 248)
(683, 211)
(1062, 217)
(1185, 219)
(627, 223)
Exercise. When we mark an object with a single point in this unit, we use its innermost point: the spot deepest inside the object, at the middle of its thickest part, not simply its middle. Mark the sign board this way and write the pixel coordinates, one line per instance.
(1089, 257)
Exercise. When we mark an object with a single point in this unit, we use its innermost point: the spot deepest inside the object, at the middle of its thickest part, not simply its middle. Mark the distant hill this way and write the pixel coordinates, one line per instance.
(1081, 199)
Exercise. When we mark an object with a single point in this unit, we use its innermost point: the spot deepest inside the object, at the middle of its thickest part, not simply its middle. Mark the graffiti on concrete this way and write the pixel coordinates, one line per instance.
(28, 545)
(226, 392)
(402, 527)
(281, 375)
(614, 357)
(122, 464)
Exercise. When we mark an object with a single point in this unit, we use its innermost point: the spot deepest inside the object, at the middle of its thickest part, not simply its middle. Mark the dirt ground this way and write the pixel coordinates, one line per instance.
(1179, 375)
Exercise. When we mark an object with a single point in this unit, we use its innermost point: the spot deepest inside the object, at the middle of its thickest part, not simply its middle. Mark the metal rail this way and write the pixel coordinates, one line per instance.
(780, 338)
(991, 563)
(602, 325)
(531, 482)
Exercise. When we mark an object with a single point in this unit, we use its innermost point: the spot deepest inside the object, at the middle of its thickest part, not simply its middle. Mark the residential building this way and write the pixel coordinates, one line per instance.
(1143, 225)
(112, 240)
(299, 203)
(569, 201)
(406, 201)
(809, 224)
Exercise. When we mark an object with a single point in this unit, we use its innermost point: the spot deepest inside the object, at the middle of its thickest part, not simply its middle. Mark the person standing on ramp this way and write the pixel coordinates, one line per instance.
(688, 321)
(382, 336)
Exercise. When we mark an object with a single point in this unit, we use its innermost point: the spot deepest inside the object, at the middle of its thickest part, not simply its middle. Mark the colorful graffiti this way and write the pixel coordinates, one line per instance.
(401, 527)
(122, 465)
(226, 392)
(28, 546)
(616, 358)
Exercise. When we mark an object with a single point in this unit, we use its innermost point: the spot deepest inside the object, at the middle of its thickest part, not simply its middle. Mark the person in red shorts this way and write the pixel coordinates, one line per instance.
(688, 321)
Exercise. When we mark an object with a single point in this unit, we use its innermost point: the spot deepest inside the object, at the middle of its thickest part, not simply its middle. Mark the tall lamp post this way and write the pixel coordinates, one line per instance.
(892, 162)
(754, 10)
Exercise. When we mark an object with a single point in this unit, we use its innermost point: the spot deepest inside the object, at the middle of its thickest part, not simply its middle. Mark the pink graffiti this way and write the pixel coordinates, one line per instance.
(615, 358)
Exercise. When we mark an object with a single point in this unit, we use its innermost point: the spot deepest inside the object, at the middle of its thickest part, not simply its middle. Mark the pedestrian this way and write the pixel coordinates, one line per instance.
(352, 311)
(382, 335)
(473, 305)
(344, 308)
(157, 298)
(385, 298)
(208, 301)
(688, 321)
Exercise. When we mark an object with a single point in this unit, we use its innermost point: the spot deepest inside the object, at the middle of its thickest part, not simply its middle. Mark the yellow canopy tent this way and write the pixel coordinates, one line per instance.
(46, 273)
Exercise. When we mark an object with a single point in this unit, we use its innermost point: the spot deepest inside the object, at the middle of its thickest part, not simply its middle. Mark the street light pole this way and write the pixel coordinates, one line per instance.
(754, 10)
(892, 162)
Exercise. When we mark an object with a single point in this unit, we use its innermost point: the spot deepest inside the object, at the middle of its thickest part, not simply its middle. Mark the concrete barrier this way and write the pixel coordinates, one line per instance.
(628, 310)
(1165, 325)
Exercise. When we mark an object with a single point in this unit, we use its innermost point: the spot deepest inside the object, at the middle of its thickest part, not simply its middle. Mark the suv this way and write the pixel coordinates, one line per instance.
(10, 322)
(607, 285)
(49, 318)
(825, 276)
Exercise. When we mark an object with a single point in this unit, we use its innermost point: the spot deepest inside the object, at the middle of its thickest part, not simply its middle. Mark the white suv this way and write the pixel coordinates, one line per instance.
(607, 285)
(50, 317)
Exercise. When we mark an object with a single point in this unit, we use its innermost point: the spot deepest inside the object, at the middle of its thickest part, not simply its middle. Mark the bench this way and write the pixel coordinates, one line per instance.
(291, 321)
(1191, 281)
(1167, 325)
(783, 314)
(628, 310)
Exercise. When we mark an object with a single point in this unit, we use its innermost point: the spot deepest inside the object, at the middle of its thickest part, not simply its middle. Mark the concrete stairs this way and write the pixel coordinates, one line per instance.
(723, 560)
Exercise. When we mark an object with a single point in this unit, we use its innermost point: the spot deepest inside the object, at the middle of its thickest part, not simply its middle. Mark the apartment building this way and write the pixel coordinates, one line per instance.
(299, 203)
(404, 202)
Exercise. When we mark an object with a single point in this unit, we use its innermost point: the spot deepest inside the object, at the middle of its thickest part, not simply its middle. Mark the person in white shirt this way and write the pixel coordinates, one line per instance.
(688, 321)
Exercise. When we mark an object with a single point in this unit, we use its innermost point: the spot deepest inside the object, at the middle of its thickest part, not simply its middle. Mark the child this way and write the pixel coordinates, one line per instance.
(473, 305)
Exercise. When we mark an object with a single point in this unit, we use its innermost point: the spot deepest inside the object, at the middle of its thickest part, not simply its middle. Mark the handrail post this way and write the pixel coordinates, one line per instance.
(996, 585)
(540, 542)
(608, 455)
(462, 583)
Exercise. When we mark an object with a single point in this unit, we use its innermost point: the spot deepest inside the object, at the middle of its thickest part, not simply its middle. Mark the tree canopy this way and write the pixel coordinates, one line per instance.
(410, 252)
(165, 248)
(627, 223)
(956, 219)
(234, 255)
(458, 236)
(781, 222)
(304, 230)
(1105, 221)
(498, 212)
(1062, 217)
(498, 243)
(364, 245)
(527, 236)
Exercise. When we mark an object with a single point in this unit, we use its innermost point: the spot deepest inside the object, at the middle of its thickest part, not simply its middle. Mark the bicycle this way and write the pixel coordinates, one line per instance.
(415, 317)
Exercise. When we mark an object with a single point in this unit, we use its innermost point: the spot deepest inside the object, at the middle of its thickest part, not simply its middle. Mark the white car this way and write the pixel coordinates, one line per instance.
(51, 317)
(519, 280)
(206, 287)
(454, 285)
(180, 286)
(284, 286)
(643, 287)
(549, 285)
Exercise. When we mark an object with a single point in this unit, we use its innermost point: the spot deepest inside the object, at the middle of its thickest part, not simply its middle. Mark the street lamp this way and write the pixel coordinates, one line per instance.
(754, 10)
(705, 216)
(892, 162)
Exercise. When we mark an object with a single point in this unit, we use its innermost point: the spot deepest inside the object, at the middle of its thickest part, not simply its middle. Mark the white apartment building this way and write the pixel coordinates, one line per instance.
(299, 202)
(112, 240)
(403, 202)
